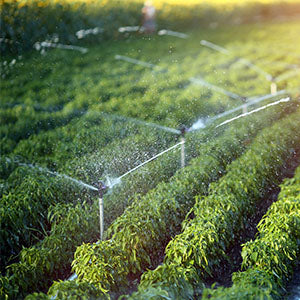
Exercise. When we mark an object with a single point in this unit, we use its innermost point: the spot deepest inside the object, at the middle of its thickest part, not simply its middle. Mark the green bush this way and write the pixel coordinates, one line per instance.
(140, 235)
(268, 261)
(200, 250)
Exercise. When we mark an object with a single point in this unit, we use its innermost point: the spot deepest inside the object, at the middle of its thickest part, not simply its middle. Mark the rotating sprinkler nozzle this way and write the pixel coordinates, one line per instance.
(102, 188)
(183, 130)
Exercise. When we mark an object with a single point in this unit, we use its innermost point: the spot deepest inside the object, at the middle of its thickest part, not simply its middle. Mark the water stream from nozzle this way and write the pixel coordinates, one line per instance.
(141, 122)
(117, 180)
(45, 170)
(254, 111)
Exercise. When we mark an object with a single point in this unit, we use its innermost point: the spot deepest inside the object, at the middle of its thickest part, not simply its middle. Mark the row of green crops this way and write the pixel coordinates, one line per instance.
(23, 210)
(90, 135)
(60, 148)
(29, 193)
(141, 232)
(26, 121)
(99, 83)
(115, 201)
(268, 261)
(25, 22)
(199, 252)
(65, 232)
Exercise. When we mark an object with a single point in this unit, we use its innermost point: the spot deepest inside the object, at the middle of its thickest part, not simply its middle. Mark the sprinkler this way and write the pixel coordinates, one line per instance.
(273, 87)
(183, 129)
(245, 106)
(102, 189)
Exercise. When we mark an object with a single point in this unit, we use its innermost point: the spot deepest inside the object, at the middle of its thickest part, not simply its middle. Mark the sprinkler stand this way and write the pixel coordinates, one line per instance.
(102, 188)
(245, 106)
(183, 130)
(273, 87)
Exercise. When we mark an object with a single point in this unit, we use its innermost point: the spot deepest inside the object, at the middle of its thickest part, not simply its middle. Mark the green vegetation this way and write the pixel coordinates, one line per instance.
(145, 227)
(268, 261)
(199, 252)
(28, 21)
(69, 113)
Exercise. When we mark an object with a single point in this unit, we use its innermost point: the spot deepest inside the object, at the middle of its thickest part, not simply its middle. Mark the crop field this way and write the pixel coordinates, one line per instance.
(181, 210)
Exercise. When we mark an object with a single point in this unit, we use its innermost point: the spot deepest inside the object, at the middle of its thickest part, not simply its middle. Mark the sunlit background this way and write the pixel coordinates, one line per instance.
(199, 109)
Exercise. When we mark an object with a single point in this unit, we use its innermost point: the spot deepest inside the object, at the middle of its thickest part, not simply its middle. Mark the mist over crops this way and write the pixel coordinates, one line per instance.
(153, 160)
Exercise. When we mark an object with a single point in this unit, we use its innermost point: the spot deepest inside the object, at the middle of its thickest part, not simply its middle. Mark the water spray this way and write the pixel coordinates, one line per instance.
(214, 47)
(254, 111)
(131, 29)
(38, 46)
(287, 75)
(80, 34)
(141, 122)
(173, 33)
(201, 81)
(241, 60)
(203, 122)
(147, 161)
(136, 61)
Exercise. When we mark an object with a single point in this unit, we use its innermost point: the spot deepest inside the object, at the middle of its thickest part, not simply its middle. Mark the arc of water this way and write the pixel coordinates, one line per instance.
(201, 81)
(147, 161)
(45, 170)
(168, 129)
(80, 34)
(251, 101)
(214, 47)
(130, 29)
(202, 123)
(254, 111)
(287, 75)
(59, 46)
(259, 70)
(136, 61)
(173, 33)
(241, 60)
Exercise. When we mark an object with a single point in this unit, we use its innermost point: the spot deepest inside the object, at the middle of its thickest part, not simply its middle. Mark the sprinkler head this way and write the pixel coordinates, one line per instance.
(244, 99)
(102, 188)
(183, 129)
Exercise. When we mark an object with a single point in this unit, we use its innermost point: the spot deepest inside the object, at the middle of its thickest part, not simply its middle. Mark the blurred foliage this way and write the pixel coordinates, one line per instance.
(25, 22)
(51, 114)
